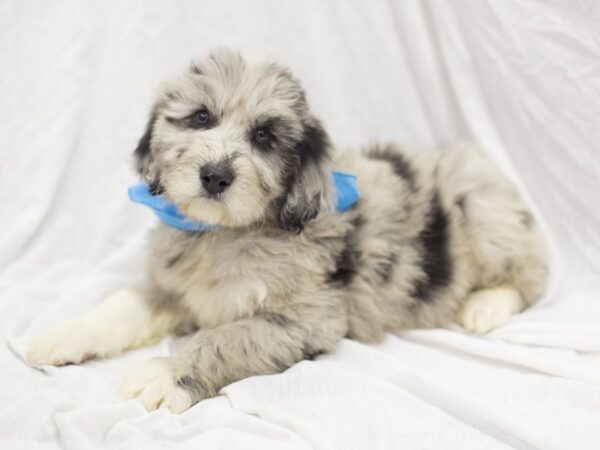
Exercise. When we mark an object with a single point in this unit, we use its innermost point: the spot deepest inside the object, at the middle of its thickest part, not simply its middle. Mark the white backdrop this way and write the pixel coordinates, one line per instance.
(519, 77)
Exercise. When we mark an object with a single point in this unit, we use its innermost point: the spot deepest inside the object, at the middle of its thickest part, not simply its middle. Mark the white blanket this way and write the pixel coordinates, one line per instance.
(520, 78)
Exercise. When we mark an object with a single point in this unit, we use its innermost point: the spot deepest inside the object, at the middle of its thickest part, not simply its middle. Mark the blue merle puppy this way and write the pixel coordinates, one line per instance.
(438, 236)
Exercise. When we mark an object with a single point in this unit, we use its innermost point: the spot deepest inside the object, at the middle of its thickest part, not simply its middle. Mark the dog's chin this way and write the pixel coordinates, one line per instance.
(219, 212)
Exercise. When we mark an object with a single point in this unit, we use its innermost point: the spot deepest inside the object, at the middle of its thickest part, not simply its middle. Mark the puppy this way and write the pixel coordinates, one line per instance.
(436, 236)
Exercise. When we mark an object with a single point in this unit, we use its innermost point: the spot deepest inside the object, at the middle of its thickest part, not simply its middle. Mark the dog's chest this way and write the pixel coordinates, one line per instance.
(219, 277)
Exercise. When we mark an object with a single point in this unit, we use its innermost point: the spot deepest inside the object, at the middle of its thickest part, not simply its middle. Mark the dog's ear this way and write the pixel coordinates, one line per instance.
(310, 187)
(144, 159)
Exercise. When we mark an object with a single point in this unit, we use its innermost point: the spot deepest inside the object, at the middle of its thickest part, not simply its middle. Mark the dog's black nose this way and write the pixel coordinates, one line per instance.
(216, 177)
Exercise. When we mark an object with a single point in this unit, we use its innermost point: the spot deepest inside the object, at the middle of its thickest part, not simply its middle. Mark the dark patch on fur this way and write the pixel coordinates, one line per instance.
(219, 353)
(294, 219)
(384, 267)
(278, 319)
(156, 188)
(526, 219)
(142, 152)
(461, 202)
(196, 387)
(359, 220)
(310, 354)
(312, 149)
(194, 234)
(195, 69)
(279, 364)
(174, 260)
(436, 262)
(313, 146)
(346, 262)
(180, 152)
(346, 265)
(264, 187)
(173, 96)
(399, 163)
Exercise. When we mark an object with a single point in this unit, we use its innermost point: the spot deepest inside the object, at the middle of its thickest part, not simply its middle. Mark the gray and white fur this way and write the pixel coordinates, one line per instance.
(437, 237)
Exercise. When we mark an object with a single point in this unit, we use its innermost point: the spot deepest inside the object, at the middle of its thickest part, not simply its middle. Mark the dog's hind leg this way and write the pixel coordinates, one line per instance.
(487, 309)
(129, 318)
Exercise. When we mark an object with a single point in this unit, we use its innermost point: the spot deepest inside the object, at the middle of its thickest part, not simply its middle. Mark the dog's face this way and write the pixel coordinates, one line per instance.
(234, 144)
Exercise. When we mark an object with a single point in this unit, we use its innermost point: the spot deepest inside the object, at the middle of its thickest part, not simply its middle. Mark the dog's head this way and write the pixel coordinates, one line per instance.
(234, 144)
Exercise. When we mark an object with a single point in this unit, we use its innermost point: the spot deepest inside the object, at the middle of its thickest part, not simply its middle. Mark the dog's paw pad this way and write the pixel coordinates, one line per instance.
(153, 383)
(488, 309)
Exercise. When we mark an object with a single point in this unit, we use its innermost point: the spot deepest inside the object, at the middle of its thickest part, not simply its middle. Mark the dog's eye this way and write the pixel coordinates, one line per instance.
(262, 136)
(201, 117)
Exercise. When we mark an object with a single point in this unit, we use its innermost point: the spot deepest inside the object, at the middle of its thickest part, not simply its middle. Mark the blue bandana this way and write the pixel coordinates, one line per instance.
(346, 186)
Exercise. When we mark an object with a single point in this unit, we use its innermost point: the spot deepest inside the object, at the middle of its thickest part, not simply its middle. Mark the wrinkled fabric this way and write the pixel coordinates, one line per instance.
(520, 78)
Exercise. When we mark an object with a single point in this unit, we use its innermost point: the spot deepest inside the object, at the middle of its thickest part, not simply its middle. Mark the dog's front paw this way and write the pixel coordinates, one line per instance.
(68, 343)
(154, 384)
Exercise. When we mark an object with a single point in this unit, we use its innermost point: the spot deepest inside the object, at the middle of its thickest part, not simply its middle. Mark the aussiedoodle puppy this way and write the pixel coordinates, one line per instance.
(437, 236)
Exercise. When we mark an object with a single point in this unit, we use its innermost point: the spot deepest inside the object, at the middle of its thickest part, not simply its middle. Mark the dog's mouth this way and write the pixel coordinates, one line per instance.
(216, 197)
(207, 208)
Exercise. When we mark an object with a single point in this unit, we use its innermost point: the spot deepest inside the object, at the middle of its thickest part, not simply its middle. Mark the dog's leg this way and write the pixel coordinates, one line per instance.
(264, 344)
(487, 309)
(126, 320)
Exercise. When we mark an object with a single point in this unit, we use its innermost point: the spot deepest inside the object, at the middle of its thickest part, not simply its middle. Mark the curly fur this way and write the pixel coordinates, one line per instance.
(435, 236)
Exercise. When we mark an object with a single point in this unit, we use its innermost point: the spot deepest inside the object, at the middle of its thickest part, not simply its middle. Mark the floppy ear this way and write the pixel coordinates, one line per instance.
(310, 189)
(144, 159)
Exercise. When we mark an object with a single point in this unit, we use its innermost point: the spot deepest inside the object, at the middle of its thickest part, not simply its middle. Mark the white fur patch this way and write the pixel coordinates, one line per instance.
(122, 322)
(153, 383)
(490, 308)
(70, 342)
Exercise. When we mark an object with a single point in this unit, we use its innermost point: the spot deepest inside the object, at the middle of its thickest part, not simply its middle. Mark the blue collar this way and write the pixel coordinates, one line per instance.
(346, 186)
